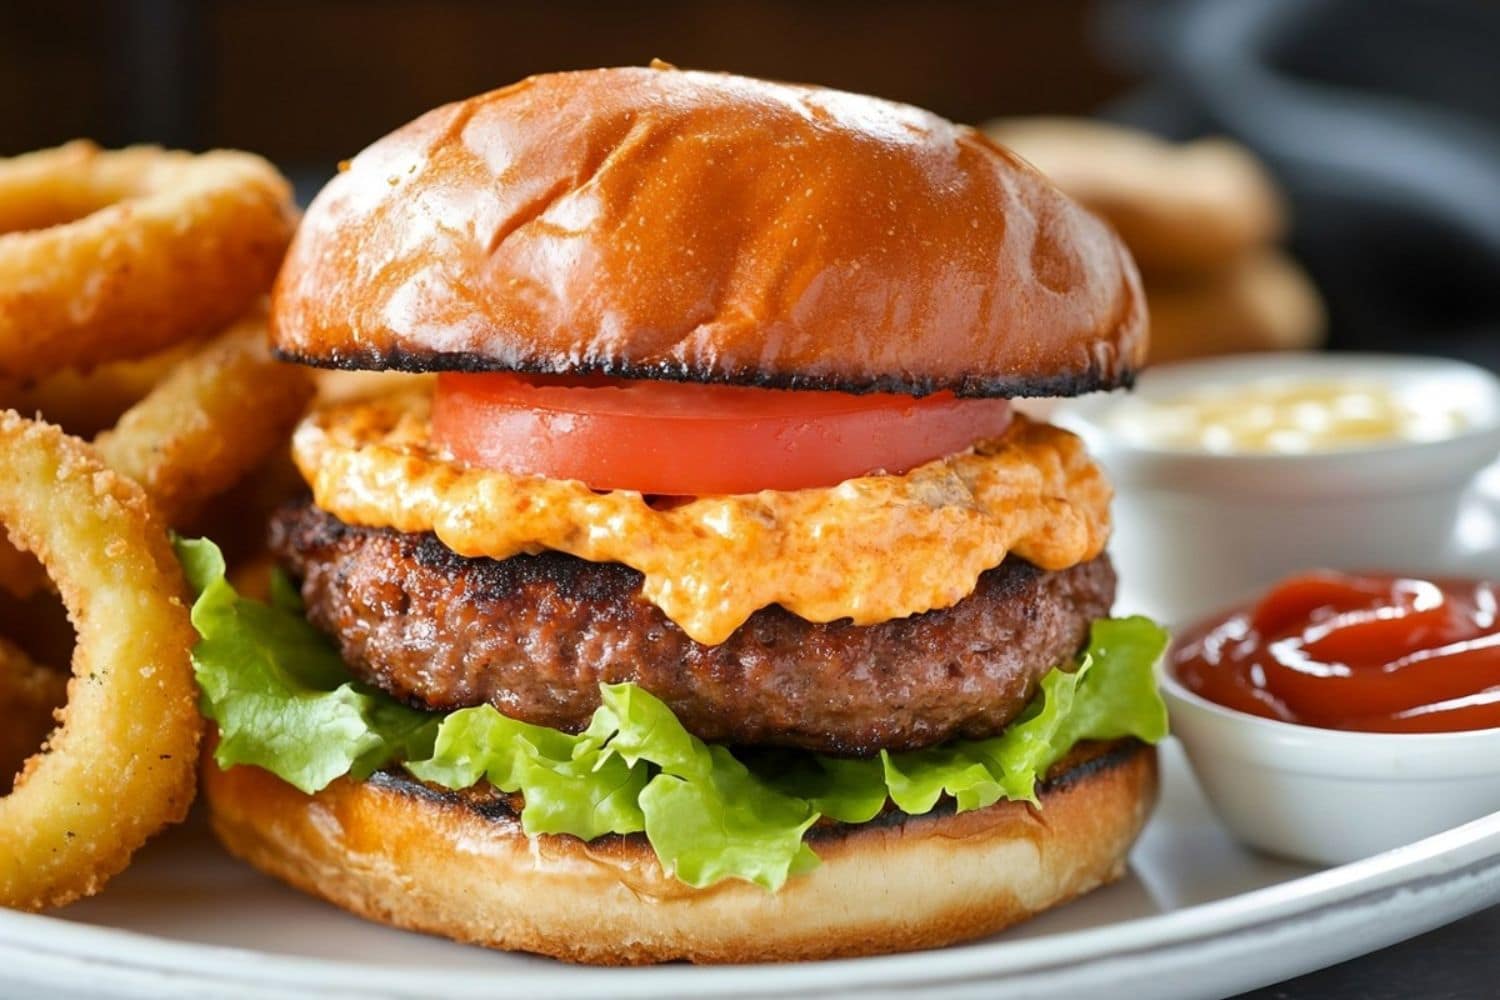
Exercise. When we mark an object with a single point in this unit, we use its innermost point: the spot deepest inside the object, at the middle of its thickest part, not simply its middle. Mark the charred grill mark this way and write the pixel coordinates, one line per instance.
(1095, 377)
(494, 807)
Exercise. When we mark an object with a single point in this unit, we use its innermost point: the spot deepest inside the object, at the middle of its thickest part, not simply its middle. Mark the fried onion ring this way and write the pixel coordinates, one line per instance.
(213, 419)
(108, 255)
(121, 765)
(30, 694)
(86, 401)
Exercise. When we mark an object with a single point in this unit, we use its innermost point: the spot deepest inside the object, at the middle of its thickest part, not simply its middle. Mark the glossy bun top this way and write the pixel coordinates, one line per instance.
(657, 223)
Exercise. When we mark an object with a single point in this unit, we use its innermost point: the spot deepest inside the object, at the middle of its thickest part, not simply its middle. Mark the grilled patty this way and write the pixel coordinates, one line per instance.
(535, 635)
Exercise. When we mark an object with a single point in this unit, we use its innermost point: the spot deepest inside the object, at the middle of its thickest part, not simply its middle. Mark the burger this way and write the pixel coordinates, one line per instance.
(706, 598)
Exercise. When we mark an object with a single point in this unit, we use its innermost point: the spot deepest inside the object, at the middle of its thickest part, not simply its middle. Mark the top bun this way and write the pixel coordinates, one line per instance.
(657, 223)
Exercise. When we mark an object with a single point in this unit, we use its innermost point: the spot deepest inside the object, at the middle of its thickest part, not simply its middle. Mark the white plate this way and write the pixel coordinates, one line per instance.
(1198, 916)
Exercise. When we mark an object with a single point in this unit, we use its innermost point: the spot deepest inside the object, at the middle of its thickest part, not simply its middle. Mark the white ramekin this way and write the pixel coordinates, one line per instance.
(1329, 796)
(1195, 531)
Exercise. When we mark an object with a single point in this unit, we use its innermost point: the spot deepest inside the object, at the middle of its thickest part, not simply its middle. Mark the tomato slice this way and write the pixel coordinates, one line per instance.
(680, 439)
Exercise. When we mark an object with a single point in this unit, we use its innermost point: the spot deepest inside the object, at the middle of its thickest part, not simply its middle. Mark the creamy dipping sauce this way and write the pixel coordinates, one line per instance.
(1288, 415)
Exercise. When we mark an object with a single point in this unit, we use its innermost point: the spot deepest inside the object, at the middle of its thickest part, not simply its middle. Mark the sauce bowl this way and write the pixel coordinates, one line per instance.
(1330, 796)
(1196, 530)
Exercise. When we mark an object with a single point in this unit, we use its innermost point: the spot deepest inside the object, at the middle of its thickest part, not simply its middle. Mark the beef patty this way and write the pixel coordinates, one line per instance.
(535, 635)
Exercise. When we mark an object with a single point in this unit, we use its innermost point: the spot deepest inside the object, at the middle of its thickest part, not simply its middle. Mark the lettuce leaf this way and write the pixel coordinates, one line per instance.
(283, 701)
(569, 783)
(707, 816)
(279, 691)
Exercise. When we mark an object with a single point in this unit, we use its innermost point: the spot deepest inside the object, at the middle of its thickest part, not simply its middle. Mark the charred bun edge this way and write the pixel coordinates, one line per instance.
(1093, 379)
(1086, 763)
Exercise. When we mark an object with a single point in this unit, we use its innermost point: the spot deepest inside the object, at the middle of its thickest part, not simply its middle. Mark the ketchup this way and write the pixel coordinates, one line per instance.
(1373, 653)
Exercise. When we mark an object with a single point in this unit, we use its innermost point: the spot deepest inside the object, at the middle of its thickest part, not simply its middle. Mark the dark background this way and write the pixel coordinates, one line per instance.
(311, 83)
(1380, 118)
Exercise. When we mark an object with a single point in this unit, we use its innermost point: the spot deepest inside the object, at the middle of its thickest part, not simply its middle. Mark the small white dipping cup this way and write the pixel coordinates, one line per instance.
(1196, 531)
(1329, 796)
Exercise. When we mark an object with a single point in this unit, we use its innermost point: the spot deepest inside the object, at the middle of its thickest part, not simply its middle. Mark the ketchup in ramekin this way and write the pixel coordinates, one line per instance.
(1372, 653)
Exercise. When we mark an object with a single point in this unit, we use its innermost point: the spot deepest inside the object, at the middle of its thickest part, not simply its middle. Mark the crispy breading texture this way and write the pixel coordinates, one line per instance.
(117, 254)
(214, 418)
(120, 767)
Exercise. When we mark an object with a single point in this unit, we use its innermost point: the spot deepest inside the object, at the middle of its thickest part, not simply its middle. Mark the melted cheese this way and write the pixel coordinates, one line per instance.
(869, 549)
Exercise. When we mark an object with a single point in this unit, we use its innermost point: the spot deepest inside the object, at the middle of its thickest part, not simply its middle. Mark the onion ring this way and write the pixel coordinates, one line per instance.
(121, 765)
(116, 254)
(210, 420)
(30, 694)
(214, 418)
(86, 401)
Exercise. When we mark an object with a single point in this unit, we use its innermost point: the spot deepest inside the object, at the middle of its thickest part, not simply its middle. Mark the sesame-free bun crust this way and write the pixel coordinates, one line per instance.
(657, 223)
(395, 851)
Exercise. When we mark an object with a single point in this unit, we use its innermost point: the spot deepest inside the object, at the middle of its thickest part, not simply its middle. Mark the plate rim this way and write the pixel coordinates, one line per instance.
(1439, 859)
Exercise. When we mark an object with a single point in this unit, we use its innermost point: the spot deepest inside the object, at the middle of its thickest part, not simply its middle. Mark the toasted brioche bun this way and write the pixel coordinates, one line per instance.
(393, 850)
(655, 223)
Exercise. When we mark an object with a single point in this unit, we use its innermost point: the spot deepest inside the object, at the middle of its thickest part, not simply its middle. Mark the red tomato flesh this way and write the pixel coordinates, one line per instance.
(681, 439)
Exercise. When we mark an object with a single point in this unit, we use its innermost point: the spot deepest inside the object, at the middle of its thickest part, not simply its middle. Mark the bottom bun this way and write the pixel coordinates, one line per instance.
(394, 850)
